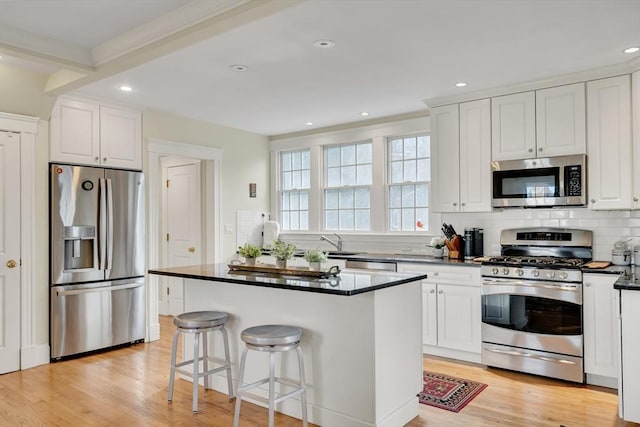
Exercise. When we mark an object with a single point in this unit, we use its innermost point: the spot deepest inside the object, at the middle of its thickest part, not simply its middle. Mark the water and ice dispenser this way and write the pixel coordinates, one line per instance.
(80, 247)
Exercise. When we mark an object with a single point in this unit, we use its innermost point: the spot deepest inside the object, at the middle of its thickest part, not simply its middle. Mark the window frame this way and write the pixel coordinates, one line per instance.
(282, 192)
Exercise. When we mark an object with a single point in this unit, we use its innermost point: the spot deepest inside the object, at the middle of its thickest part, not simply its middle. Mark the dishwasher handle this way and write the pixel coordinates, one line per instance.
(101, 289)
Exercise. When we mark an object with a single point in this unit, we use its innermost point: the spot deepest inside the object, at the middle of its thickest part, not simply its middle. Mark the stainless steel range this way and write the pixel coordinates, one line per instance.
(532, 302)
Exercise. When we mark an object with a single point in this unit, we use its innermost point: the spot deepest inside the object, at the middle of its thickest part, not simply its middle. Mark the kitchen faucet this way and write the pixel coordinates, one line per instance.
(337, 244)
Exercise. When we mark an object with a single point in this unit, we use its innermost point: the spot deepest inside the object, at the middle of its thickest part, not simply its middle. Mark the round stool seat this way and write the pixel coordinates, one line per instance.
(200, 319)
(271, 335)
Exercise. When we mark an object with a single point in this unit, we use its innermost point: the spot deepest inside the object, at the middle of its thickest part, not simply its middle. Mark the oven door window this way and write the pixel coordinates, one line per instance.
(532, 314)
(526, 183)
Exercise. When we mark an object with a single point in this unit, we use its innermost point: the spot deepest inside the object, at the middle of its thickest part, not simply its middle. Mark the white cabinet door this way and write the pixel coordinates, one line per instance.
(75, 132)
(475, 156)
(120, 138)
(609, 143)
(560, 120)
(635, 99)
(459, 318)
(600, 325)
(445, 158)
(629, 394)
(429, 314)
(513, 132)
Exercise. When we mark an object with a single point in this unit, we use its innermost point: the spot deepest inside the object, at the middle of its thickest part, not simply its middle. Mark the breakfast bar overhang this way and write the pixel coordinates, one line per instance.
(362, 338)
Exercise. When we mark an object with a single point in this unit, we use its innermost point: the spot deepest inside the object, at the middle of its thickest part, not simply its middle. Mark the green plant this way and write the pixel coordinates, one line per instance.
(249, 251)
(315, 255)
(282, 250)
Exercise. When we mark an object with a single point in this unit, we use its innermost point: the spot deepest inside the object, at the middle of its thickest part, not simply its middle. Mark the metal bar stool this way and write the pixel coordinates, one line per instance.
(273, 339)
(200, 323)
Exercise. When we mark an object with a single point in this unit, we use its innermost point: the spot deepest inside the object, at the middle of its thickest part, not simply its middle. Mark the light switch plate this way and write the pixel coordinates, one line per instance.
(228, 228)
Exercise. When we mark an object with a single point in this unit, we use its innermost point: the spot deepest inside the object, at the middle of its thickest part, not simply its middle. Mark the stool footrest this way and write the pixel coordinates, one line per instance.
(278, 399)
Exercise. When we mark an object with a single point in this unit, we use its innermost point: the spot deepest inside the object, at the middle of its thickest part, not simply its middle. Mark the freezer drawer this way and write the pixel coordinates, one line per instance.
(97, 315)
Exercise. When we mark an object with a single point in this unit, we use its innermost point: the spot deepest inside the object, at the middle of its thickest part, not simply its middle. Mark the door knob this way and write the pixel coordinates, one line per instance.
(191, 250)
(12, 263)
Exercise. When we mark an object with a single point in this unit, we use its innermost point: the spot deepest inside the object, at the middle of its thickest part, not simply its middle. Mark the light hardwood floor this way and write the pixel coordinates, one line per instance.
(128, 387)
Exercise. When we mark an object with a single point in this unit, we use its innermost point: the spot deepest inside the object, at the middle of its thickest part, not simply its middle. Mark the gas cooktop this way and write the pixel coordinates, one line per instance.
(535, 261)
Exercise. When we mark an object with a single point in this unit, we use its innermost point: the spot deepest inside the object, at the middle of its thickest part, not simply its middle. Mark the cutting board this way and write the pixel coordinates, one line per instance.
(597, 264)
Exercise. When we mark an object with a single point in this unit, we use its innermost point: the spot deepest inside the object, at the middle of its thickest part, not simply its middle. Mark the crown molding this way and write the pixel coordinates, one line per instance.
(582, 76)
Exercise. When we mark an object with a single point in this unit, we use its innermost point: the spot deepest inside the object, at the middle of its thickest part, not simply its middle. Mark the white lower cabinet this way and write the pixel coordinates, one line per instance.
(629, 390)
(600, 309)
(451, 316)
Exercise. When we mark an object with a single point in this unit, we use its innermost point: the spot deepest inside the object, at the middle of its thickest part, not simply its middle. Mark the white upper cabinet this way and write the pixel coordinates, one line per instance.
(513, 131)
(545, 123)
(83, 132)
(609, 143)
(560, 121)
(461, 157)
(445, 159)
(635, 96)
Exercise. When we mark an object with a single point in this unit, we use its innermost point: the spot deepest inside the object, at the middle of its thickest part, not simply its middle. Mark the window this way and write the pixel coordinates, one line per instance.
(409, 173)
(294, 195)
(347, 193)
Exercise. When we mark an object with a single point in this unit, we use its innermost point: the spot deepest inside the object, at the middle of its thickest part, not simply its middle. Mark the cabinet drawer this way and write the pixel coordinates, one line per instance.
(466, 276)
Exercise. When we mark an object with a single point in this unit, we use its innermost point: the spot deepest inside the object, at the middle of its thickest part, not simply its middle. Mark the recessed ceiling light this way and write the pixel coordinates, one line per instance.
(125, 88)
(309, 124)
(364, 113)
(631, 49)
(239, 67)
(324, 44)
(461, 84)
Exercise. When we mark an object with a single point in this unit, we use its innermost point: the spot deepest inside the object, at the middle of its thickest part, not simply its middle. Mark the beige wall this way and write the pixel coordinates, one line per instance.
(245, 160)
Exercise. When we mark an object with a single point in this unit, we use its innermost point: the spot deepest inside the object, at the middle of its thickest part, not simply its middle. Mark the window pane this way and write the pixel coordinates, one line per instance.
(333, 156)
(362, 219)
(304, 200)
(331, 220)
(346, 199)
(333, 177)
(285, 221)
(306, 182)
(422, 195)
(349, 175)
(286, 181)
(396, 150)
(296, 179)
(293, 201)
(424, 148)
(286, 161)
(296, 161)
(348, 155)
(395, 196)
(395, 220)
(295, 221)
(306, 159)
(285, 201)
(362, 198)
(364, 153)
(396, 172)
(410, 170)
(304, 220)
(331, 199)
(346, 220)
(407, 196)
(364, 175)
(407, 220)
(424, 170)
(410, 148)
(423, 218)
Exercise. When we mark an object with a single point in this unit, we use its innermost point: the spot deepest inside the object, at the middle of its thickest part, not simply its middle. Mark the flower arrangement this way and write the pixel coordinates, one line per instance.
(249, 251)
(282, 250)
(437, 242)
(315, 255)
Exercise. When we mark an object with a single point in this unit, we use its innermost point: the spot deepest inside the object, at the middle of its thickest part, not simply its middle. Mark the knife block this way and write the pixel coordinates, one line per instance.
(454, 255)
(455, 247)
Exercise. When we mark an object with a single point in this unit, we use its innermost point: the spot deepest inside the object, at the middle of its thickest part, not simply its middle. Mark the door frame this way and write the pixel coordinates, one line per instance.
(31, 353)
(212, 158)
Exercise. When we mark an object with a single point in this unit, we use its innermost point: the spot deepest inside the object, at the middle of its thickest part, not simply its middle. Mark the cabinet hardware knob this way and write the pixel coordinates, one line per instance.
(97, 159)
(593, 200)
(12, 263)
(104, 159)
(463, 204)
(435, 274)
(540, 149)
(455, 204)
(191, 250)
(440, 292)
(432, 291)
(635, 199)
(587, 284)
(530, 150)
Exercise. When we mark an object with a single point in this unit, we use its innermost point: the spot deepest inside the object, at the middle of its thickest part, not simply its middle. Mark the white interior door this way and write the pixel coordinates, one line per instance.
(9, 252)
(183, 227)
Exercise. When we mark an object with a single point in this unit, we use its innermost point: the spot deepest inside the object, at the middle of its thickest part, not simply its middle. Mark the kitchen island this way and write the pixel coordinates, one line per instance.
(362, 337)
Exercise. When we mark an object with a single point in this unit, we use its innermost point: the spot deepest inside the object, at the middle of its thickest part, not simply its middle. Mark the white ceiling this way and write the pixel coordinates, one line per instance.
(389, 55)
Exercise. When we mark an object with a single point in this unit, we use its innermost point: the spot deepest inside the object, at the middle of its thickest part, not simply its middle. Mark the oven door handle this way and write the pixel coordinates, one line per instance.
(532, 283)
(520, 353)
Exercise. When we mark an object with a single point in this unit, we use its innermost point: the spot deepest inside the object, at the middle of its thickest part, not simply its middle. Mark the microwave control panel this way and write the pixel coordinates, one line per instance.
(573, 180)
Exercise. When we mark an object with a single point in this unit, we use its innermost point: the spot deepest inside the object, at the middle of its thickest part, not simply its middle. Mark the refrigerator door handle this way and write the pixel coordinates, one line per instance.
(102, 225)
(101, 289)
(110, 224)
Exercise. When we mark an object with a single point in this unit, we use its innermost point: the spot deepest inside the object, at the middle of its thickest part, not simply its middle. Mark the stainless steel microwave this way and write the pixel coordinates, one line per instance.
(540, 182)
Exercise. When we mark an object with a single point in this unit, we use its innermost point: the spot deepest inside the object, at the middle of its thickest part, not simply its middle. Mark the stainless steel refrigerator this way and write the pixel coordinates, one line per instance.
(97, 258)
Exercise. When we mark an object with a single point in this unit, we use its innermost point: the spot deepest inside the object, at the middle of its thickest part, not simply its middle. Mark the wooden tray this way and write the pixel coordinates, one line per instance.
(289, 271)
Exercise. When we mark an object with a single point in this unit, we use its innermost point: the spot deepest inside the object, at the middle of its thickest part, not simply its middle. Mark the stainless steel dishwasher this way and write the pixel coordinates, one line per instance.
(371, 265)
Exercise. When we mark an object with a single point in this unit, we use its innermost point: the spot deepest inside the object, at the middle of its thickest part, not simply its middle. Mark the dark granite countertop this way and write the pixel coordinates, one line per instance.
(629, 282)
(348, 282)
(408, 258)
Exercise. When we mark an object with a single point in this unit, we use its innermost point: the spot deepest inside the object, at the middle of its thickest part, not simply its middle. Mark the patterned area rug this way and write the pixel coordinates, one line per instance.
(450, 393)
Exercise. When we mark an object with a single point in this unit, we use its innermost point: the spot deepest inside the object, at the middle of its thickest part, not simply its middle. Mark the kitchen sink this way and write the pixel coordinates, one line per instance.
(343, 253)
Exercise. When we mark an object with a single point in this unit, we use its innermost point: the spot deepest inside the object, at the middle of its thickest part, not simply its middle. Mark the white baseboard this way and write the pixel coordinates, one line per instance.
(33, 356)
(602, 381)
